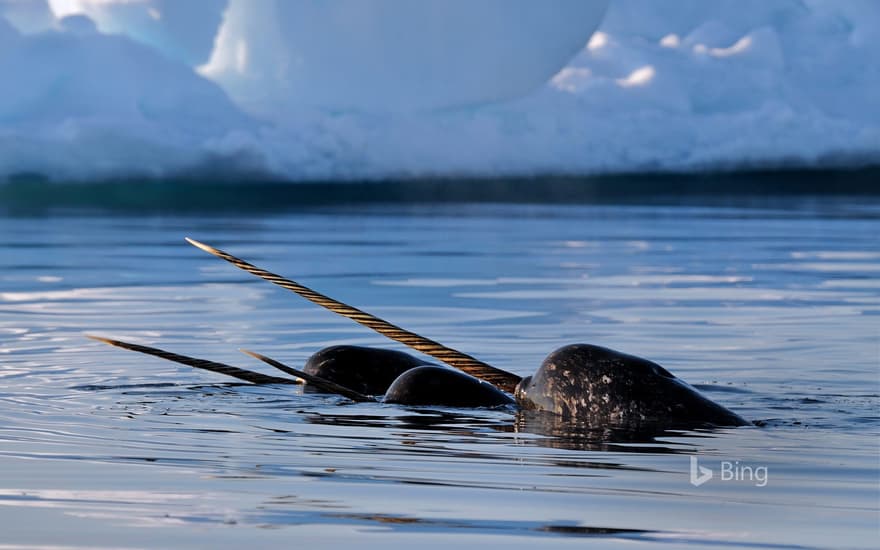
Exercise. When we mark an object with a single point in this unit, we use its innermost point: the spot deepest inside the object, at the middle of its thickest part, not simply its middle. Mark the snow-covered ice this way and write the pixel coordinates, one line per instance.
(395, 55)
(93, 89)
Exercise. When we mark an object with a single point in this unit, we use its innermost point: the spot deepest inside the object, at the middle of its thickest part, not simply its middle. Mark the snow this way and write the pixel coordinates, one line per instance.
(94, 89)
(182, 29)
(27, 15)
(80, 104)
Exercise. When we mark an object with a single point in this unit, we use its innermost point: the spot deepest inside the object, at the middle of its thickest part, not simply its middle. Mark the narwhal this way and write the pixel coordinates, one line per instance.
(587, 384)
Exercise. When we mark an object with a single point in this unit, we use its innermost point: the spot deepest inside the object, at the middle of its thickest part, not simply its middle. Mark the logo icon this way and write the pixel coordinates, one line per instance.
(699, 474)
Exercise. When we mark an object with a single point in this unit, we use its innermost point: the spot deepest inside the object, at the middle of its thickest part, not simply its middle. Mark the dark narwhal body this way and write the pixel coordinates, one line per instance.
(432, 385)
(402, 378)
(590, 385)
(366, 370)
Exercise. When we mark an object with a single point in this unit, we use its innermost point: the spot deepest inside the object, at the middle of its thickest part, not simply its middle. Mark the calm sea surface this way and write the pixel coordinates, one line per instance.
(771, 308)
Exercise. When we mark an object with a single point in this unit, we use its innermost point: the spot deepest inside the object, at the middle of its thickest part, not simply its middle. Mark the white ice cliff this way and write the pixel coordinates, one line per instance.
(93, 89)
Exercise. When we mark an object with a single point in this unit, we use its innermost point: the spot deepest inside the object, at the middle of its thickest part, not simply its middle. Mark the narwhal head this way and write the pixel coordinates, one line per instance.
(604, 387)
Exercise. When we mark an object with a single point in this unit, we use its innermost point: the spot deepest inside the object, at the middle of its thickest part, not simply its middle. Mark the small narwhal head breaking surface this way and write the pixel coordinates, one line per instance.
(365, 370)
(441, 386)
(601, 386)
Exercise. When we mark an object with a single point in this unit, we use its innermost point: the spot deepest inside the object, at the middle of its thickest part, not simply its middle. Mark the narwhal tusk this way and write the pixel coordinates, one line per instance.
(212, 366)
(505, 380)
(317, 381)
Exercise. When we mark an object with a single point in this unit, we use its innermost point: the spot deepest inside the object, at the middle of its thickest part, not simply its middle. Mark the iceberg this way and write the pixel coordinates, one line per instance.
(181, 29)
(79, 104)
(382, 55)
(372, 89)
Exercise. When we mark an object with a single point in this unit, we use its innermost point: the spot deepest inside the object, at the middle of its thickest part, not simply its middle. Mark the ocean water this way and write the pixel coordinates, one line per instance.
(770, 306)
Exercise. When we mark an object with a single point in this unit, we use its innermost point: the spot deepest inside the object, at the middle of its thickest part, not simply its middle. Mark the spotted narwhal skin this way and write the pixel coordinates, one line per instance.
(601, 386)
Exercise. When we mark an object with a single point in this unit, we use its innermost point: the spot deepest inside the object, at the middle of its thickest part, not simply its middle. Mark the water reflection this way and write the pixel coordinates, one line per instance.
(562, 433)
(550, 430)
(522, 527)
